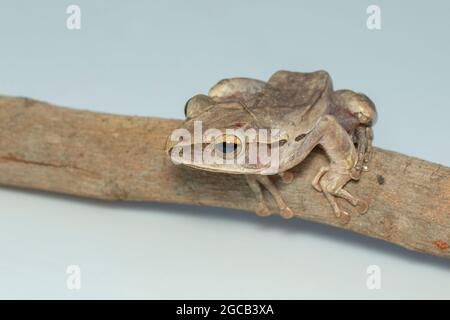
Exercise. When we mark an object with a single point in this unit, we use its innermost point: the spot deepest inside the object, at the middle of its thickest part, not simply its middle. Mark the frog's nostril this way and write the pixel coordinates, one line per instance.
(300, 137)
(279, 143)
(175, 152)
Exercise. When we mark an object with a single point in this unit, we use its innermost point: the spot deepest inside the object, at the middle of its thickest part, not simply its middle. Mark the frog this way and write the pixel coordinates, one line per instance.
(305, 112)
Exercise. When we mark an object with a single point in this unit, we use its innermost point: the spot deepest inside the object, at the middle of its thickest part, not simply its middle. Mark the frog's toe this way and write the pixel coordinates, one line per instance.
(316, 186)
(286, 213)
(262, 210)
(344, 218)
(287, 177)
(362, 206)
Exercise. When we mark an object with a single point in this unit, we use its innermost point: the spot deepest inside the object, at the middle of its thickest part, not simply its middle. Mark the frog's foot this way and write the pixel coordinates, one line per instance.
(286, 213)
(287, 177)
(332, 184)
(361, 166)
(343, 216)
(262, 210)
(365, 166)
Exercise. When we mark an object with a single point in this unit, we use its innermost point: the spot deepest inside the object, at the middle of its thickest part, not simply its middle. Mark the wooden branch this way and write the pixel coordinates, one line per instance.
(122, 158)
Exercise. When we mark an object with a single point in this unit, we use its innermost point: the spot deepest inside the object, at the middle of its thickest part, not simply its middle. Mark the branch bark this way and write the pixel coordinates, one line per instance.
(116, 157)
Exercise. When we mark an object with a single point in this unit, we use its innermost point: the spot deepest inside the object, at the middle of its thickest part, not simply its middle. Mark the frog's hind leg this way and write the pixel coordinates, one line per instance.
(285, 211)
(319, 175)
(330, 180)
(262, 209)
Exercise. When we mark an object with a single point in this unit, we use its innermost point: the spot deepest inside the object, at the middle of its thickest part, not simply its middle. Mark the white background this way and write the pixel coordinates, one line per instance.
(147, 58)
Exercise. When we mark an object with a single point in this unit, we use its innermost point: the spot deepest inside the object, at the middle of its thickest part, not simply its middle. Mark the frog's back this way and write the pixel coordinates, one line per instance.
(292, 100)
(288, 101)
(223, 116)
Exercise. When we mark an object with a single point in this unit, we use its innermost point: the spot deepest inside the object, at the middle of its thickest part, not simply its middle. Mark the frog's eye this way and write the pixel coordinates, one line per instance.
(228, 145)
(197, 105)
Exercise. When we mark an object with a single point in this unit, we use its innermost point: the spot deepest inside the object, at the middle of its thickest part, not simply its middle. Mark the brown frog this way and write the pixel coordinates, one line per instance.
(303, 110)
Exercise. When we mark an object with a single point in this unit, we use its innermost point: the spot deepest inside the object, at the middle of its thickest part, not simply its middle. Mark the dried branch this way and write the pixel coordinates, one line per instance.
(115, 157)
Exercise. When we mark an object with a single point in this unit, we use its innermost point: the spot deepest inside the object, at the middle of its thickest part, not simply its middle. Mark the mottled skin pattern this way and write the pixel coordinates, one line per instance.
(308, 113)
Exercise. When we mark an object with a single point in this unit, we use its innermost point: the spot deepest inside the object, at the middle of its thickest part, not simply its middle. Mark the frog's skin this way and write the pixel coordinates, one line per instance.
(306, 110)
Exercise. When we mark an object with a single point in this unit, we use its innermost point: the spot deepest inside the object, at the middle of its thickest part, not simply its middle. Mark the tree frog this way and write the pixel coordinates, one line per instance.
(286, 117)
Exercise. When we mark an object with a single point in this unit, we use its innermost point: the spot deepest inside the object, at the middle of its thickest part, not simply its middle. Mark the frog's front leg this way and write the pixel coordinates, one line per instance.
(285, 211)
(254, 182)
(262, 209)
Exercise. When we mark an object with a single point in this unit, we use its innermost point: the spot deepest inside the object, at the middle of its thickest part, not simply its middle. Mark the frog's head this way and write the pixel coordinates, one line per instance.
(357, 105)
(222, 137)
